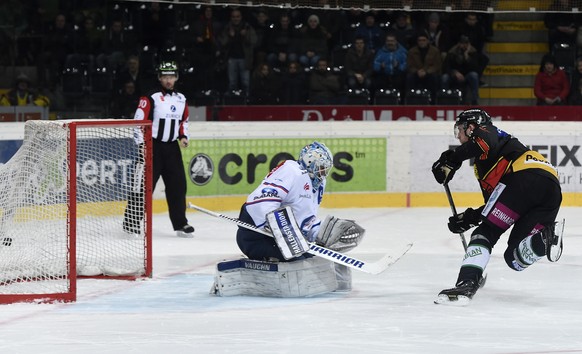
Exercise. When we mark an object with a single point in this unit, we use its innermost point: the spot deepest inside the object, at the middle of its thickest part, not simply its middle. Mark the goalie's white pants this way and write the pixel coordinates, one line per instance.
(306, 277)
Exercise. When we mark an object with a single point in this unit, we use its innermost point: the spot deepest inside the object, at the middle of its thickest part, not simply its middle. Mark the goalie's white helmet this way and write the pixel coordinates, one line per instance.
(317, 160)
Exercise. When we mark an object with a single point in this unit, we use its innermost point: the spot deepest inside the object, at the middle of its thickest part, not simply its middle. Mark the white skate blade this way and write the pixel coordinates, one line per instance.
(184, 234)
(555, 251)
(459, 300)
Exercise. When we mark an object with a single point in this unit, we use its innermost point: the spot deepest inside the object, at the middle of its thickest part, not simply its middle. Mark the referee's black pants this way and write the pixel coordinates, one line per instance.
(168, 164)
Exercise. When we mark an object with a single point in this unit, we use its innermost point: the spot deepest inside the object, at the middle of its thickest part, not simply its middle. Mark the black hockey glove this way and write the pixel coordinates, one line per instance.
(464, 221)
(444, 169)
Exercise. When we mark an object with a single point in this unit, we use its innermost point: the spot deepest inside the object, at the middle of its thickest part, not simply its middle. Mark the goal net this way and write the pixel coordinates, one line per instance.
(392, 5)
(62, 203)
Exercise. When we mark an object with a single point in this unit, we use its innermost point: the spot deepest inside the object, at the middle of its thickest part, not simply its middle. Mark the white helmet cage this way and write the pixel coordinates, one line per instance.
(317, 160)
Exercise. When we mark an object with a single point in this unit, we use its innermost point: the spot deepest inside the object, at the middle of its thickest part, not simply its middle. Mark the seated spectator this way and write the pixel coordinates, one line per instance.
(282, 43)
(131, 72)
(125, 103)
(358, 65)
(22, 94)
(390, 65)
(371, 32)
(460, 69)
(551, 85)
(263, 86)
(324, 86)
(424, 66)
(313, 42)
(294, 87)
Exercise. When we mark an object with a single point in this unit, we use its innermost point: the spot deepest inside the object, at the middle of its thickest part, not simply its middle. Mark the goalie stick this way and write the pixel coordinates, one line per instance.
(337, 257)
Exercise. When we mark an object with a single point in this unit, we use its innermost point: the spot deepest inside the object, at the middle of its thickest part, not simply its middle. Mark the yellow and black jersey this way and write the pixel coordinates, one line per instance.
(498, 153)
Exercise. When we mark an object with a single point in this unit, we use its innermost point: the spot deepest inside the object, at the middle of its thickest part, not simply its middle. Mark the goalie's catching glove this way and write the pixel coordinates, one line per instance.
(444, 169)
(465, 220)
(339, 234)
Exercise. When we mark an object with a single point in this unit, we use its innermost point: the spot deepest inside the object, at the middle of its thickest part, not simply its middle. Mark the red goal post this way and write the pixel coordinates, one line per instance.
(62, 205)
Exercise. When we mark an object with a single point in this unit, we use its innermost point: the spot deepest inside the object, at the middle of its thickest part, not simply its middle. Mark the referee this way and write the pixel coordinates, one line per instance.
(168, 111)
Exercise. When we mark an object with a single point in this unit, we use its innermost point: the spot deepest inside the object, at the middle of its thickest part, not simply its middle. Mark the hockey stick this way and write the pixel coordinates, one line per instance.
(334, 256)
(461, 235)
(454, 210)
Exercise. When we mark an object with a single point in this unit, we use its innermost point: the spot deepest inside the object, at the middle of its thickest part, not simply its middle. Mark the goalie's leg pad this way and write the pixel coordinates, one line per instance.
(306, 277)
(343, 275)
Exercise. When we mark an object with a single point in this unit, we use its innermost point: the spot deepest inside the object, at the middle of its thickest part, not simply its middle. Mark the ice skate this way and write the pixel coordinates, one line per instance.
(187, 231)
(553, 240)
(460, 295)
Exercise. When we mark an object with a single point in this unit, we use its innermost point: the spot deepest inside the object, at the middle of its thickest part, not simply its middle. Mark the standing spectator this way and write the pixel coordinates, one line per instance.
(324, 86)
(460, 69)
(22, 94)
(155, 26)
(575, 79)
(403, 29)
(124, 103)
(562, 23)
(359, 61)
(205, 49)
(462, 7)
(390, 65)
(264, 86)
(262, 26)
(313, 42)
(551, 86)
(54, 52)
(238, 39)
(118, 45)
(168, 111)
(424, 66)
(575, 98)
(472, 28)
(438, 35)
(282, 43)
(371, 32)
(293, 85)
(87, 43)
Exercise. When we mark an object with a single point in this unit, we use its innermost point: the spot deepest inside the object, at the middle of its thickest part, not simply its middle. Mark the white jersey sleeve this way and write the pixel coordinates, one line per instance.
(287, 185)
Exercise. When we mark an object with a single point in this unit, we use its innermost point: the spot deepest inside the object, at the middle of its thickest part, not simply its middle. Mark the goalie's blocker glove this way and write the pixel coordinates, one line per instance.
(444, 169)
(339, 234)
(465, 220)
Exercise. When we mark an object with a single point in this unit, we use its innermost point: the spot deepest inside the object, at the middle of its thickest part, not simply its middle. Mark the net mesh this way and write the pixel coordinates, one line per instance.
(410, 5)
(34, 227)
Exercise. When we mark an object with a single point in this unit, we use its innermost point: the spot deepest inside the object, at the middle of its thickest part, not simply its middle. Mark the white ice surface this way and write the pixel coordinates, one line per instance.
(535, 311)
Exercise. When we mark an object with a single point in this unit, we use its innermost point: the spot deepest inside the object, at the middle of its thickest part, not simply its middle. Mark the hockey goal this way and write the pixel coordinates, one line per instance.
(62, 202)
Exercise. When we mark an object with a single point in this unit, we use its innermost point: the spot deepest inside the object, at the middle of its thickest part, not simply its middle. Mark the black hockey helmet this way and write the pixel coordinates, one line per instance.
(474, 115)
(168, 68)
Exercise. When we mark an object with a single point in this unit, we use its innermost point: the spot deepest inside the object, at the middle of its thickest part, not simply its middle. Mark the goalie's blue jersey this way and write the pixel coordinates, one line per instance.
(287, 185)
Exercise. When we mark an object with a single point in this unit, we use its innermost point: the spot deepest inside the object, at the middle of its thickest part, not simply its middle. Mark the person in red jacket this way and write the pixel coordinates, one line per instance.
(551, 86)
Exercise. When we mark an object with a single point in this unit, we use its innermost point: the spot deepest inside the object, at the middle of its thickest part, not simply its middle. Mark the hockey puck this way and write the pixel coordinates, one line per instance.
(7, 241)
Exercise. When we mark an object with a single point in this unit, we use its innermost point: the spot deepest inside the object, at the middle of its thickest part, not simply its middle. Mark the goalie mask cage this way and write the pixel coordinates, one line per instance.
(62, 203)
